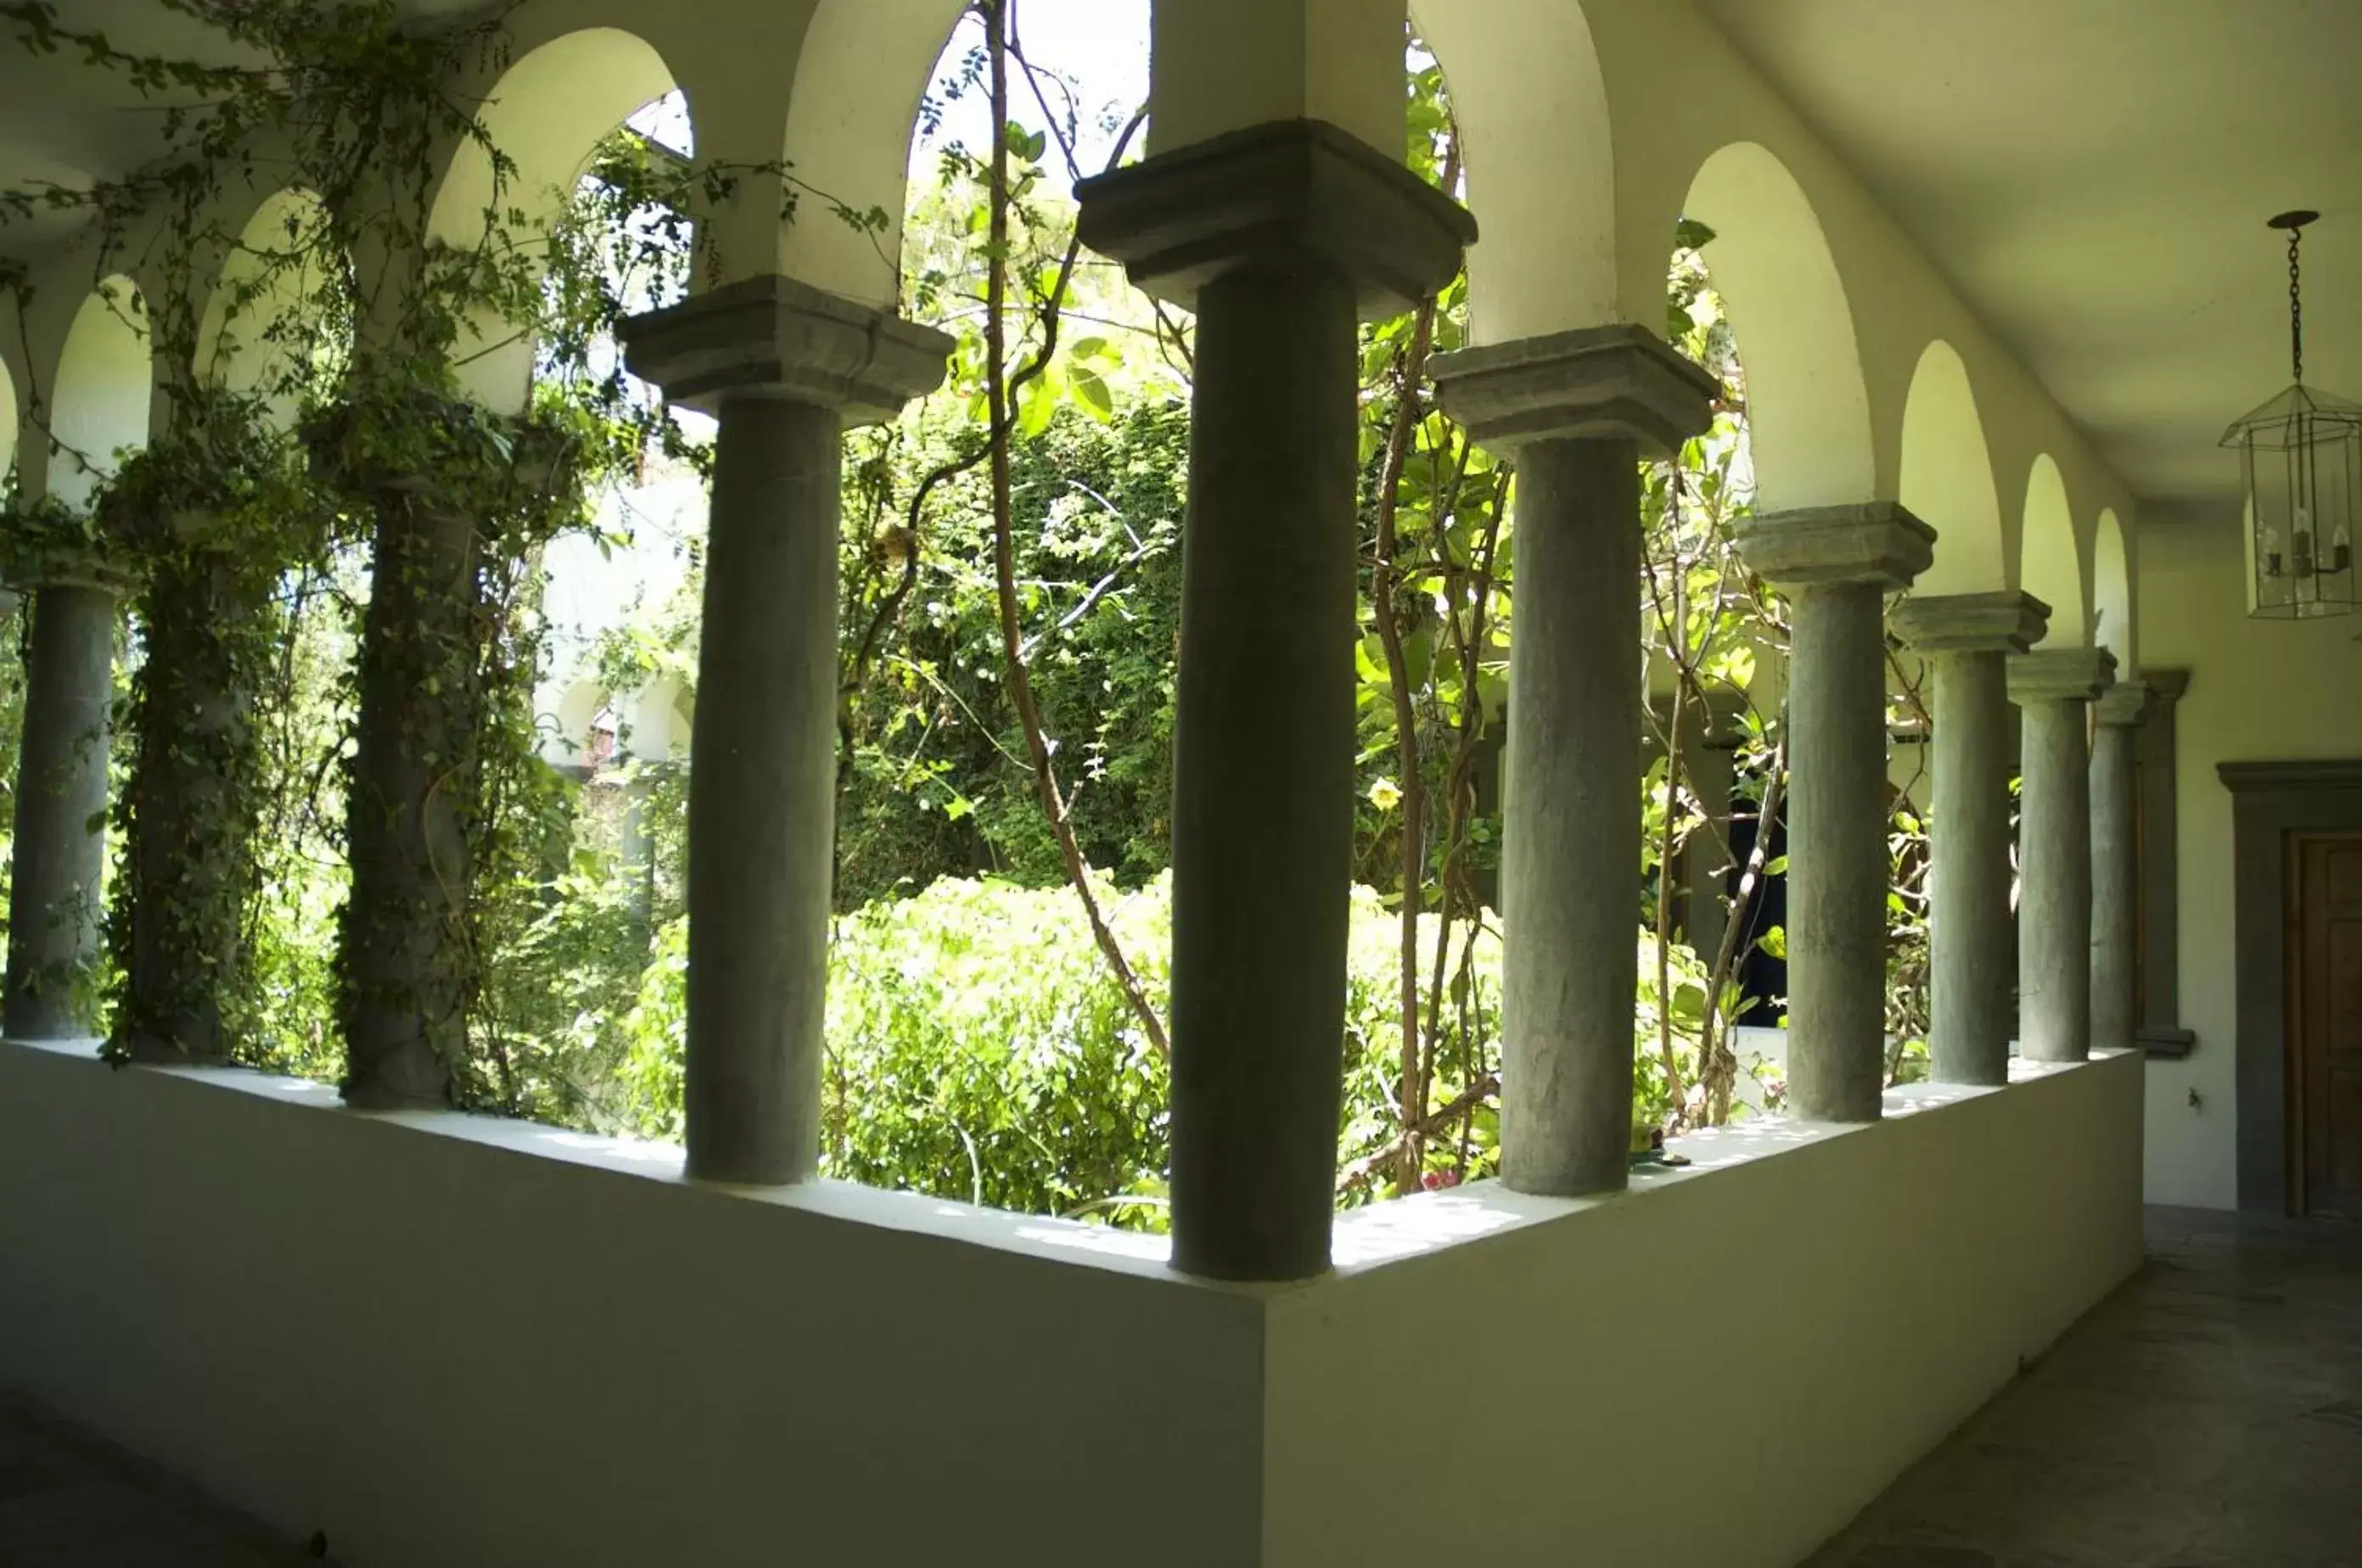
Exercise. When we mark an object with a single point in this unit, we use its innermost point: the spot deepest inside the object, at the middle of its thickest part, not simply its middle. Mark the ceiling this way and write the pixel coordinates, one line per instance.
(64, 121)
(2093, 176)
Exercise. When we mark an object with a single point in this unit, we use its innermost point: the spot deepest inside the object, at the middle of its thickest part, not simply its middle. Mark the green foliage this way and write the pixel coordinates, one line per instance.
(930, 723)
(233, 526)
(980, 1050)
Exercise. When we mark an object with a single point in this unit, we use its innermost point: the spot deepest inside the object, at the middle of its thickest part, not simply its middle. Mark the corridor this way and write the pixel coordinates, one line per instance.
(2209, 1415)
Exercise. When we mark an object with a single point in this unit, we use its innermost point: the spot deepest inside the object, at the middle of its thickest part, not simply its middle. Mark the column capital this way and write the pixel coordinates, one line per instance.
(2060, 674)
(1971, 623)
(773, 336)
(2127, 703)
(1289, 194)
(1620, 381)
(47, 545)
(2165, 687)
(30, 571)
(1869, 541)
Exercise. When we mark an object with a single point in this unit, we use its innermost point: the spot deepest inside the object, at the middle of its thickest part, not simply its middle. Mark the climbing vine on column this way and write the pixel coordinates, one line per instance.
(245, 516)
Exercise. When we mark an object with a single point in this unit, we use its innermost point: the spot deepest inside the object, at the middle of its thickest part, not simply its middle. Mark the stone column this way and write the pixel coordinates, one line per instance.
(2155, 758)
(1967, 639)
(1836, 565)
(2054, 688)
(1279, 236)
(1575, 410)
(786, 367)
(2115, 868)
(1712, 763)
(403, 955)
(60, 834)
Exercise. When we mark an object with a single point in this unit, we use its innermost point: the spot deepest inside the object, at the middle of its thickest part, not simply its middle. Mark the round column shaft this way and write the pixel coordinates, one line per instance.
(1262, 777)
(1571, 866)
(404, 958)
(2054, 690)
(1969, 872)
(2115, 869)
(761, 795)
(1575, 409)
(60, 834)
(1837, 565)
(787, 367)
(1838, 864)
(1279, 236)
(1968, 639)
(190, 814)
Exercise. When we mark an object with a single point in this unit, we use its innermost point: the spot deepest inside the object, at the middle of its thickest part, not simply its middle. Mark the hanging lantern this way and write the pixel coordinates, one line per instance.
(2301, 462)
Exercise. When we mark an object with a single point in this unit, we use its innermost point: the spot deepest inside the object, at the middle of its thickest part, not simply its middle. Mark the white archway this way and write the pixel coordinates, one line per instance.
(258, 337)
(547, 114)
(1808, 409)
(1948, 477)
(1532, 104)
(659, 730)
(2112, 593)
(859, 79)
(8, 421)
(106, 390)
(2053, 563)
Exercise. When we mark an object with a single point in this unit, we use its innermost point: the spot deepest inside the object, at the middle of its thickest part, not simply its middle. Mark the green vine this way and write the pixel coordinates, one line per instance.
(247, 518)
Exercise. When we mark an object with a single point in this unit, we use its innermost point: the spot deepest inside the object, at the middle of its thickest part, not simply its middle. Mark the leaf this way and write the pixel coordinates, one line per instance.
(1090, 389)
(1037, 405)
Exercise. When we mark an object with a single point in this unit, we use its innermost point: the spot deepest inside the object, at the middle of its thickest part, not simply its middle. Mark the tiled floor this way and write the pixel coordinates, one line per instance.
(69, 1501)
(2207, 1416)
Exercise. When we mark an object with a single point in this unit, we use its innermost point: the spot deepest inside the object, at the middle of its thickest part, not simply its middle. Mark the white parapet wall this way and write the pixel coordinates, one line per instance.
(449, 1342)
(1717, 1369)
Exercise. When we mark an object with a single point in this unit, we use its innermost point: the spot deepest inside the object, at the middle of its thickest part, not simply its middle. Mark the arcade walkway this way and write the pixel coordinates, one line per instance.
(70, 1501)
(2207, 1416)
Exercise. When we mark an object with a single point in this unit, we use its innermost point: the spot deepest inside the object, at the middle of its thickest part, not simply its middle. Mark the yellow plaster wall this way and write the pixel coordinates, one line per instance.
(2259, 691)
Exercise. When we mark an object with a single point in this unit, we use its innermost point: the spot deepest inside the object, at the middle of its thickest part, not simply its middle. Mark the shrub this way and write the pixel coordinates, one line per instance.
(980, 1052)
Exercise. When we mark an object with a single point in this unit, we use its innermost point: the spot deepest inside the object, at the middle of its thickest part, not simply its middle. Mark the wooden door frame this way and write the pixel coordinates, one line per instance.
(2271, 802)
(2292, 1062)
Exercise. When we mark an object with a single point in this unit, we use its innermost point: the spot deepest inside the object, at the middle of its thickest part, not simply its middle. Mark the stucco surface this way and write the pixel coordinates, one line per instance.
(1793, 1316)
(2259, 691)
(451, 1342)
(2205, 1417)
(459, 1344)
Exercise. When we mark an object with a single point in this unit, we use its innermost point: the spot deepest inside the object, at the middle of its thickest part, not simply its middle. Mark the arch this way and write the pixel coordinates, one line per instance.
(2112, 592)
(7, 423)
(859, 79)
(1808, 407)
(577, 708)
(257, 334)
(2053, 562)
(106, 390)
(546, 114)
(1531, 102)
(659, 731)
(1948, 477)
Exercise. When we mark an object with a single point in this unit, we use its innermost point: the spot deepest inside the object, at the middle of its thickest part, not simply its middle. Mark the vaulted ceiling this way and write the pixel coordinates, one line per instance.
(2093, 175)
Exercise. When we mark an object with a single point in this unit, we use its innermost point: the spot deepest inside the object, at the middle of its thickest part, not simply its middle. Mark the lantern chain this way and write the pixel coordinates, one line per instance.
(2296, 305)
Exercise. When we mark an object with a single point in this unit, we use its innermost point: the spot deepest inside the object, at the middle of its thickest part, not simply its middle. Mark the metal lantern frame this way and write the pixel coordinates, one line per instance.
(2300, 469)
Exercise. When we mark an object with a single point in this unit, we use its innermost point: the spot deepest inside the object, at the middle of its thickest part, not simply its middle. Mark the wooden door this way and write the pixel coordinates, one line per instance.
(2325, 1024)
